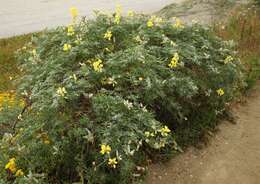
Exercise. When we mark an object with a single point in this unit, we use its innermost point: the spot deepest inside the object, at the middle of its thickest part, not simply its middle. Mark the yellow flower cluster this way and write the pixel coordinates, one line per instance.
(61, 91)
(164, 131)
(130, 13)
(66, 47)
(174, 61)
(220, 92)
(11, 166)
(97, 65)
(228, 59)
(44, 137)
(154, 20)
(74, 12)
(108, 35)
(105, 149)
(118, 14)
(70, 30)
(178, 24)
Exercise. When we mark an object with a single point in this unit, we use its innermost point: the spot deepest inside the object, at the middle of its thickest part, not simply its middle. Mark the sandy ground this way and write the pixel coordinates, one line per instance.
(233, 156)
(24, 16)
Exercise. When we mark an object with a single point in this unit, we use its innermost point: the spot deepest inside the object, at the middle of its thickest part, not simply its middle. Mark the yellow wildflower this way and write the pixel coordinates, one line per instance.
(105, 149)
(108, 35)
(228, 59)
(74, 12)
(178, 23)
(61, 91)
(165, 131)
(141, 78)
(220, 92)
(34, 53)
(118, 14)
(174, 61)
(11, 165)
(97, 65)
(150, 23)
(112, 162)
(19, 173)
(70, 30)
(66, 47)
(130, 13)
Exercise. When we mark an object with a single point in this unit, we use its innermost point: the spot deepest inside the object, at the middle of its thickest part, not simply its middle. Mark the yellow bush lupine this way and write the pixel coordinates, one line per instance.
(97, 65)
(112, 162)
(174, 61)
(11, 166)
(105, 149)
(220, 92)
(108, 35)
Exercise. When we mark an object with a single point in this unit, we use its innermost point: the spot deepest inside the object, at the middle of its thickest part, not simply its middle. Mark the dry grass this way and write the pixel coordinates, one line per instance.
(243, 27)
(8, 66)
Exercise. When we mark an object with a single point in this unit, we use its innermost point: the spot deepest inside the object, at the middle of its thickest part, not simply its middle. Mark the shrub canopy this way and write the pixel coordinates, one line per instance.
(104, 95)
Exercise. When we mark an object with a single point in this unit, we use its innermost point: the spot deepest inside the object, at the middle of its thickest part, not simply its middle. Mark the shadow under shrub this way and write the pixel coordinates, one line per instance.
(105, 95)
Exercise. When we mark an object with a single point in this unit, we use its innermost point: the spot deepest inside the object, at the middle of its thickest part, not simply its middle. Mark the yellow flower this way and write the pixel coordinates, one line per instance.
(141, 78)
(228, 59)
(108, 35)
(97, 65)
(66, 47)
(61, 91)
(74, 12)
(112, 162)
(118, 14)
(165, 131)
(220, 92)
(105, 149)
(174, 61)
(178, 23)
(11, 165)
(34, 53)
(147, 134)
(150, 23)
(70, 30)
(19, 173)
(130, 13)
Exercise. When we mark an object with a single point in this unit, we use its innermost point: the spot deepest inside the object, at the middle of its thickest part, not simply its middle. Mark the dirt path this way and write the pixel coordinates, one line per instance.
(24, 16)
(233, 156)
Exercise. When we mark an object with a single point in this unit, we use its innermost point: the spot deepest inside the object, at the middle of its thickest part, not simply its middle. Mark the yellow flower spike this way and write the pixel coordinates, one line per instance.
(118, 14)
(70, 30)
(220, 92)
(174, 61)
(66, 47)
(74, 12)
(112, 162)
(105, 149)
(97, 65)
(19, 173)
(108, 35)
(11, 166)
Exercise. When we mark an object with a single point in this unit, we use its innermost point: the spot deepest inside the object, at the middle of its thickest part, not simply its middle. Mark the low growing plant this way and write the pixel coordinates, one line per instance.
(105, 95)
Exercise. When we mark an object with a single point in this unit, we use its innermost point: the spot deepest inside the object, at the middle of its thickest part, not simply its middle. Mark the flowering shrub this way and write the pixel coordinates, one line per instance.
(104, 95)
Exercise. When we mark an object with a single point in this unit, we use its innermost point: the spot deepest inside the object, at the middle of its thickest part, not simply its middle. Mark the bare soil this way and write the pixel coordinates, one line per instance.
(232, 156)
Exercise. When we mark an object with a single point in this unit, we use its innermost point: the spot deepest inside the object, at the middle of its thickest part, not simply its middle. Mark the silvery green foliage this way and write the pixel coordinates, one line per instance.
(73, 108)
